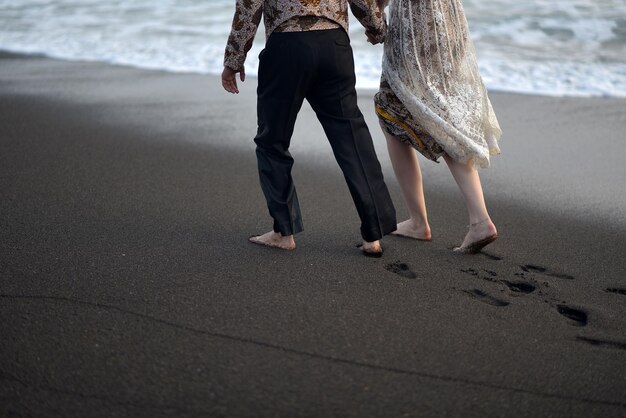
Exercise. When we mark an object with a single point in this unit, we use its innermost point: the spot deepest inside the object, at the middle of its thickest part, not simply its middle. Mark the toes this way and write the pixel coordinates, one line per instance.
(258, 239)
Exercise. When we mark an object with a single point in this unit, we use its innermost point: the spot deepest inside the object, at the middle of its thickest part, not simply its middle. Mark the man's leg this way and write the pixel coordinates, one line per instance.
(333, 97)
(280, 94)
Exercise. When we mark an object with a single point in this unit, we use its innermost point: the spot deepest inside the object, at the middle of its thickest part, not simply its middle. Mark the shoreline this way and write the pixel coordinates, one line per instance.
(367, 90)
(128, 196)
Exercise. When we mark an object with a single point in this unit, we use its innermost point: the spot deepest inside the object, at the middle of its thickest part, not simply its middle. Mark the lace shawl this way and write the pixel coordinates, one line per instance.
(430, 63)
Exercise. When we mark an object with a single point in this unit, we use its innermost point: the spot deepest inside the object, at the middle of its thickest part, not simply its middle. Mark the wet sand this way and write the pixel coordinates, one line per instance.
(127, 287)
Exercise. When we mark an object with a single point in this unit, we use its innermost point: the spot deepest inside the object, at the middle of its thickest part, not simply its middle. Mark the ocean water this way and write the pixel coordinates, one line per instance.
(554, 47)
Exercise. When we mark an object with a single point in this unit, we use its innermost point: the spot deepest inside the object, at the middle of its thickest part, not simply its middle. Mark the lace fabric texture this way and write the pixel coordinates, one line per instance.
(429, 63)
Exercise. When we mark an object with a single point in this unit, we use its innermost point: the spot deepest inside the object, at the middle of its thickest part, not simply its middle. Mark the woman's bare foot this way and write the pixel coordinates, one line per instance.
(372, 249)
(479, 235)
(275, 239)
(410, 229)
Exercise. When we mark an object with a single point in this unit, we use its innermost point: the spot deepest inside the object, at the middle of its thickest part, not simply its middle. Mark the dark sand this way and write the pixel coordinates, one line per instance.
(127, 287)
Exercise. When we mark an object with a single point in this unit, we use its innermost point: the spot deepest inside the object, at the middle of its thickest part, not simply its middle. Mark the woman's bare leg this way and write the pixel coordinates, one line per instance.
(467, 179)
(407, 170)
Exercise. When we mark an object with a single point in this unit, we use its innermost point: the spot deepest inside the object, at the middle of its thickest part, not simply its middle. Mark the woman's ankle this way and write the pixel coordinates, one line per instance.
(483, 226)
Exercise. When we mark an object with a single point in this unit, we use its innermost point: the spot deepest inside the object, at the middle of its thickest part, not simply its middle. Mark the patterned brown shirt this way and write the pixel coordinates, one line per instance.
(287, 14)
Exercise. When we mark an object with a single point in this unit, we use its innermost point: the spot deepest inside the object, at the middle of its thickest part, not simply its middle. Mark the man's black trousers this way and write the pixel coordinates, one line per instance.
(317, 66)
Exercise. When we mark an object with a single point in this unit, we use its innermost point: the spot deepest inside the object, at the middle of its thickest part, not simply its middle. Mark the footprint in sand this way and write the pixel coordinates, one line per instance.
(522, 287)
(474, 272)
(401, 269)
(490, 276)
(490, 256)
(470, 271)
(519, 287)
(576, 316)
(491, 273)
(603, 343)
(616, 290)
(485, 298)
(531, 268)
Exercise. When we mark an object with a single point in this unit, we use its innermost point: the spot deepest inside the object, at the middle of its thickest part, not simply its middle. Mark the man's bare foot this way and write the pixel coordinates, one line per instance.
(372, 249)
(409, 229)
(275, 239)
(479, 235)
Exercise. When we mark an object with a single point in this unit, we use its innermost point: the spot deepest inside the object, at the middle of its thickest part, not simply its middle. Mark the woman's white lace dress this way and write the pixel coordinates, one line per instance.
(432, 95)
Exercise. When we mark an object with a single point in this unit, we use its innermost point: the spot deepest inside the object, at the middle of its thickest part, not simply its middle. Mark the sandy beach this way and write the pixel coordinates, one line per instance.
(128, 287)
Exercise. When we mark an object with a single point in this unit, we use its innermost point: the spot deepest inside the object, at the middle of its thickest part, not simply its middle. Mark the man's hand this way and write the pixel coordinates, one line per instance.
(371, 38)
(229, 79)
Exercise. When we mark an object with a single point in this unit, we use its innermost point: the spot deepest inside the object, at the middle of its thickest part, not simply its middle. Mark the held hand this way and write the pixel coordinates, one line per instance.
(229, 79)
(370, 38)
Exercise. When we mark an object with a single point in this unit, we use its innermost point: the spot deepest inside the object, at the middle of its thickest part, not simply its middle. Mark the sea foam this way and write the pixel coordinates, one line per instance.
(555, 47)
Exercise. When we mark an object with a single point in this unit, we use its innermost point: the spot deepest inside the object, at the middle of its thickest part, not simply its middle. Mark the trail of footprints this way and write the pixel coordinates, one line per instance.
(521, 287)
(524, 286)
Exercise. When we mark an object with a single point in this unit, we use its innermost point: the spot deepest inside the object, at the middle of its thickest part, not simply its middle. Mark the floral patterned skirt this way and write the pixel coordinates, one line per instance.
(398, 122)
